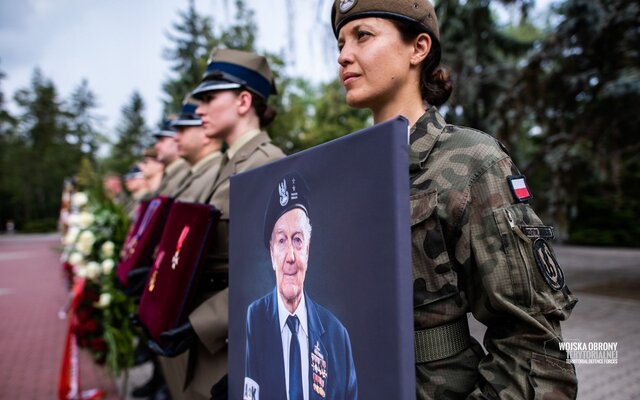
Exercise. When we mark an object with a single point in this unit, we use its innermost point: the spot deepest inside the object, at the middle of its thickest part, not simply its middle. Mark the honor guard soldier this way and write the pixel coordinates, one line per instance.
(152, 170)
(175, 167)
(477, 245)
(233, 94)
(201, 152)
(136, 185)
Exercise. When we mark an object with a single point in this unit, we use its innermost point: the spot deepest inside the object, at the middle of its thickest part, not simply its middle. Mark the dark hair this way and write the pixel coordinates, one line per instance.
(264, 111)
(435, 86)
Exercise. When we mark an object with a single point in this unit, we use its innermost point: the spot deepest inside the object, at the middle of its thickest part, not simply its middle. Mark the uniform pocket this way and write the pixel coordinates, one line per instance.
(433, 276)
(552, 378)
(538, 281)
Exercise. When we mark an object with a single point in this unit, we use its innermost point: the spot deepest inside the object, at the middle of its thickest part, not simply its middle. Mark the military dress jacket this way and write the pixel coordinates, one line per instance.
(172, 178)
(197, 185)
(474, 246)
(332, 373)
(210, 320)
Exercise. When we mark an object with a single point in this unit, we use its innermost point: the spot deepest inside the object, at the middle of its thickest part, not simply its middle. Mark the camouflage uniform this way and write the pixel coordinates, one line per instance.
(470, 255)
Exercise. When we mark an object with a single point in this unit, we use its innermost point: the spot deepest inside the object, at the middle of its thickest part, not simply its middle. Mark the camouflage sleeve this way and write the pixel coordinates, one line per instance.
(516, 288)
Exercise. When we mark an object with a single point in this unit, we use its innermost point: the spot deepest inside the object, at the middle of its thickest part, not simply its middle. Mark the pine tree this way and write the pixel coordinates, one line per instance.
(41, 158)
(83, 123)
(191, 46)
(582, 87)
(133, 137)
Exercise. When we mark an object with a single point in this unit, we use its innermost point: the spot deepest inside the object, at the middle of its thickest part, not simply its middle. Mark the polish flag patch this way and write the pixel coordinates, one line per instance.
(519, 188)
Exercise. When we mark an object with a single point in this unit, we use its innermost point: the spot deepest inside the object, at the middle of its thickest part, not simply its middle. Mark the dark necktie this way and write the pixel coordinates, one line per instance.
(295, 370)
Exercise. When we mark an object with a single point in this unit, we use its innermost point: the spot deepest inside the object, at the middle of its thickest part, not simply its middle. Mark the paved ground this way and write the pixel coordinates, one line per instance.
(31, 334)
(607, 283)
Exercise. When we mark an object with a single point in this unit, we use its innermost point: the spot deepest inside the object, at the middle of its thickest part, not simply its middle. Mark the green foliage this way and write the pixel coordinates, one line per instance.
(86, 176)
(133, 137)
(191, 45)
(36, 155)
(481, 56)
(194, 38)
(580, 87)
(40, 225)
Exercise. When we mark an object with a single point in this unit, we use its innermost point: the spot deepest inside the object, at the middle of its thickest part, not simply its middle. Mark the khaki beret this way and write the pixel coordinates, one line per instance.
(420, 12)
(233, 69)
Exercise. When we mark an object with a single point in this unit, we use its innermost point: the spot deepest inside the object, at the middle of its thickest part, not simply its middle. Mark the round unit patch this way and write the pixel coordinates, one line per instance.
(548, 265)
(346, 5)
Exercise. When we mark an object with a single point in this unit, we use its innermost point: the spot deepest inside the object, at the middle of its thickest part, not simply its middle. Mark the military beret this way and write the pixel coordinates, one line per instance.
(234, 69)
(420, 12)
(188, 116)
(289, 193)
(166, 130)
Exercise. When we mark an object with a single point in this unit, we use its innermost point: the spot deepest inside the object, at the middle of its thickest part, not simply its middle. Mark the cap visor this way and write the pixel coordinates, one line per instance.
(186, 122)
(210, 86)
(164, 134)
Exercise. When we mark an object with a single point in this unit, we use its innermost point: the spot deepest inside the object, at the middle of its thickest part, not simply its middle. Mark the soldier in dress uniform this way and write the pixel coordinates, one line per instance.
(233, 94)
(152, 169)
(201, 152)
(175, 167)
(136, 185)
(476, 242)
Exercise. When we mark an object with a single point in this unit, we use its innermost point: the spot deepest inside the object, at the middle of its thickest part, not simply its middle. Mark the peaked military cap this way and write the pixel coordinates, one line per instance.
(150, 152)
(289, 193)
(134, 173)
(235, 69)
(166, 130)
(188, 116)
(420, 12)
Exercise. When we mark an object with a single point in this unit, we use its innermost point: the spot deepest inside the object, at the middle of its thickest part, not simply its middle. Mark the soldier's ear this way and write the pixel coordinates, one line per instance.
(421, 48)
(244, 101)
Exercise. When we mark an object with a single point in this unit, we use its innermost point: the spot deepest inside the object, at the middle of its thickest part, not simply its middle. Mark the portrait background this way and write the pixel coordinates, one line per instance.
(359, 258)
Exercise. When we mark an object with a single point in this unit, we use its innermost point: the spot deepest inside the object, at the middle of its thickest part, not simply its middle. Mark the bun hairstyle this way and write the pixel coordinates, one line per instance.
(411, 17)
(435, 85)
(265, 112)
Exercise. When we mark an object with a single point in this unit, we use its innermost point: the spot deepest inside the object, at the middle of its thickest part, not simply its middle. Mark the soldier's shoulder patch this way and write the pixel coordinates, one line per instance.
(519, 188)
(548, 265)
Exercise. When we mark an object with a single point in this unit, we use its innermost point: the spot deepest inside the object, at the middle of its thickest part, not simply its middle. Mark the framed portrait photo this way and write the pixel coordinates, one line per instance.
(320, 290)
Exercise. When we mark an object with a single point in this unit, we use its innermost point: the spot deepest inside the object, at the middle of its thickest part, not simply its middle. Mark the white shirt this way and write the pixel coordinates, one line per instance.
(303, 339)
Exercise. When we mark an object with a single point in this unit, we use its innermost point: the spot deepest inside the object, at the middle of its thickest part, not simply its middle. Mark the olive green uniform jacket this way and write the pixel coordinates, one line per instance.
(199, 369)
(470, 255)
(174, 175)
(196, 187)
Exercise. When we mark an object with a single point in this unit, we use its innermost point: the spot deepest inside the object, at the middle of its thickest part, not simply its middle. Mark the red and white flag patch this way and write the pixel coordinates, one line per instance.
(519, 188)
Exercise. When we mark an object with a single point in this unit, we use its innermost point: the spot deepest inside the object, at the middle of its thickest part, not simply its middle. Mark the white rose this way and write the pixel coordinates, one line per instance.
(86, 219)
(71, 236)
(107, 249)
(86, 239)
(93, 270)
(75, 258)
(107, 266)
(74, 219)
(79, 199)
(105, 300)
(80, 270)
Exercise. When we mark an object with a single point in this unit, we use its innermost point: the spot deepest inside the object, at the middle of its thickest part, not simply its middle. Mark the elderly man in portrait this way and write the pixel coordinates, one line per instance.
(295, 349)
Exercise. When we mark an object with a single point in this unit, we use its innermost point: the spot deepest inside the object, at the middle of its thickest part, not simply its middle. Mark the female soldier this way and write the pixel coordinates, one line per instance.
(233, 107)
(477, 246)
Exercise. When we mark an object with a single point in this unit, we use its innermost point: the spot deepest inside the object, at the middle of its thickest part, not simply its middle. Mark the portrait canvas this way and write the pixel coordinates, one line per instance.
(320, 291)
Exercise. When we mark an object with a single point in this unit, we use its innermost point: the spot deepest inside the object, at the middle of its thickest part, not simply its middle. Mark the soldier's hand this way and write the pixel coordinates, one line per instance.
(179, 340)
(219, 391)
